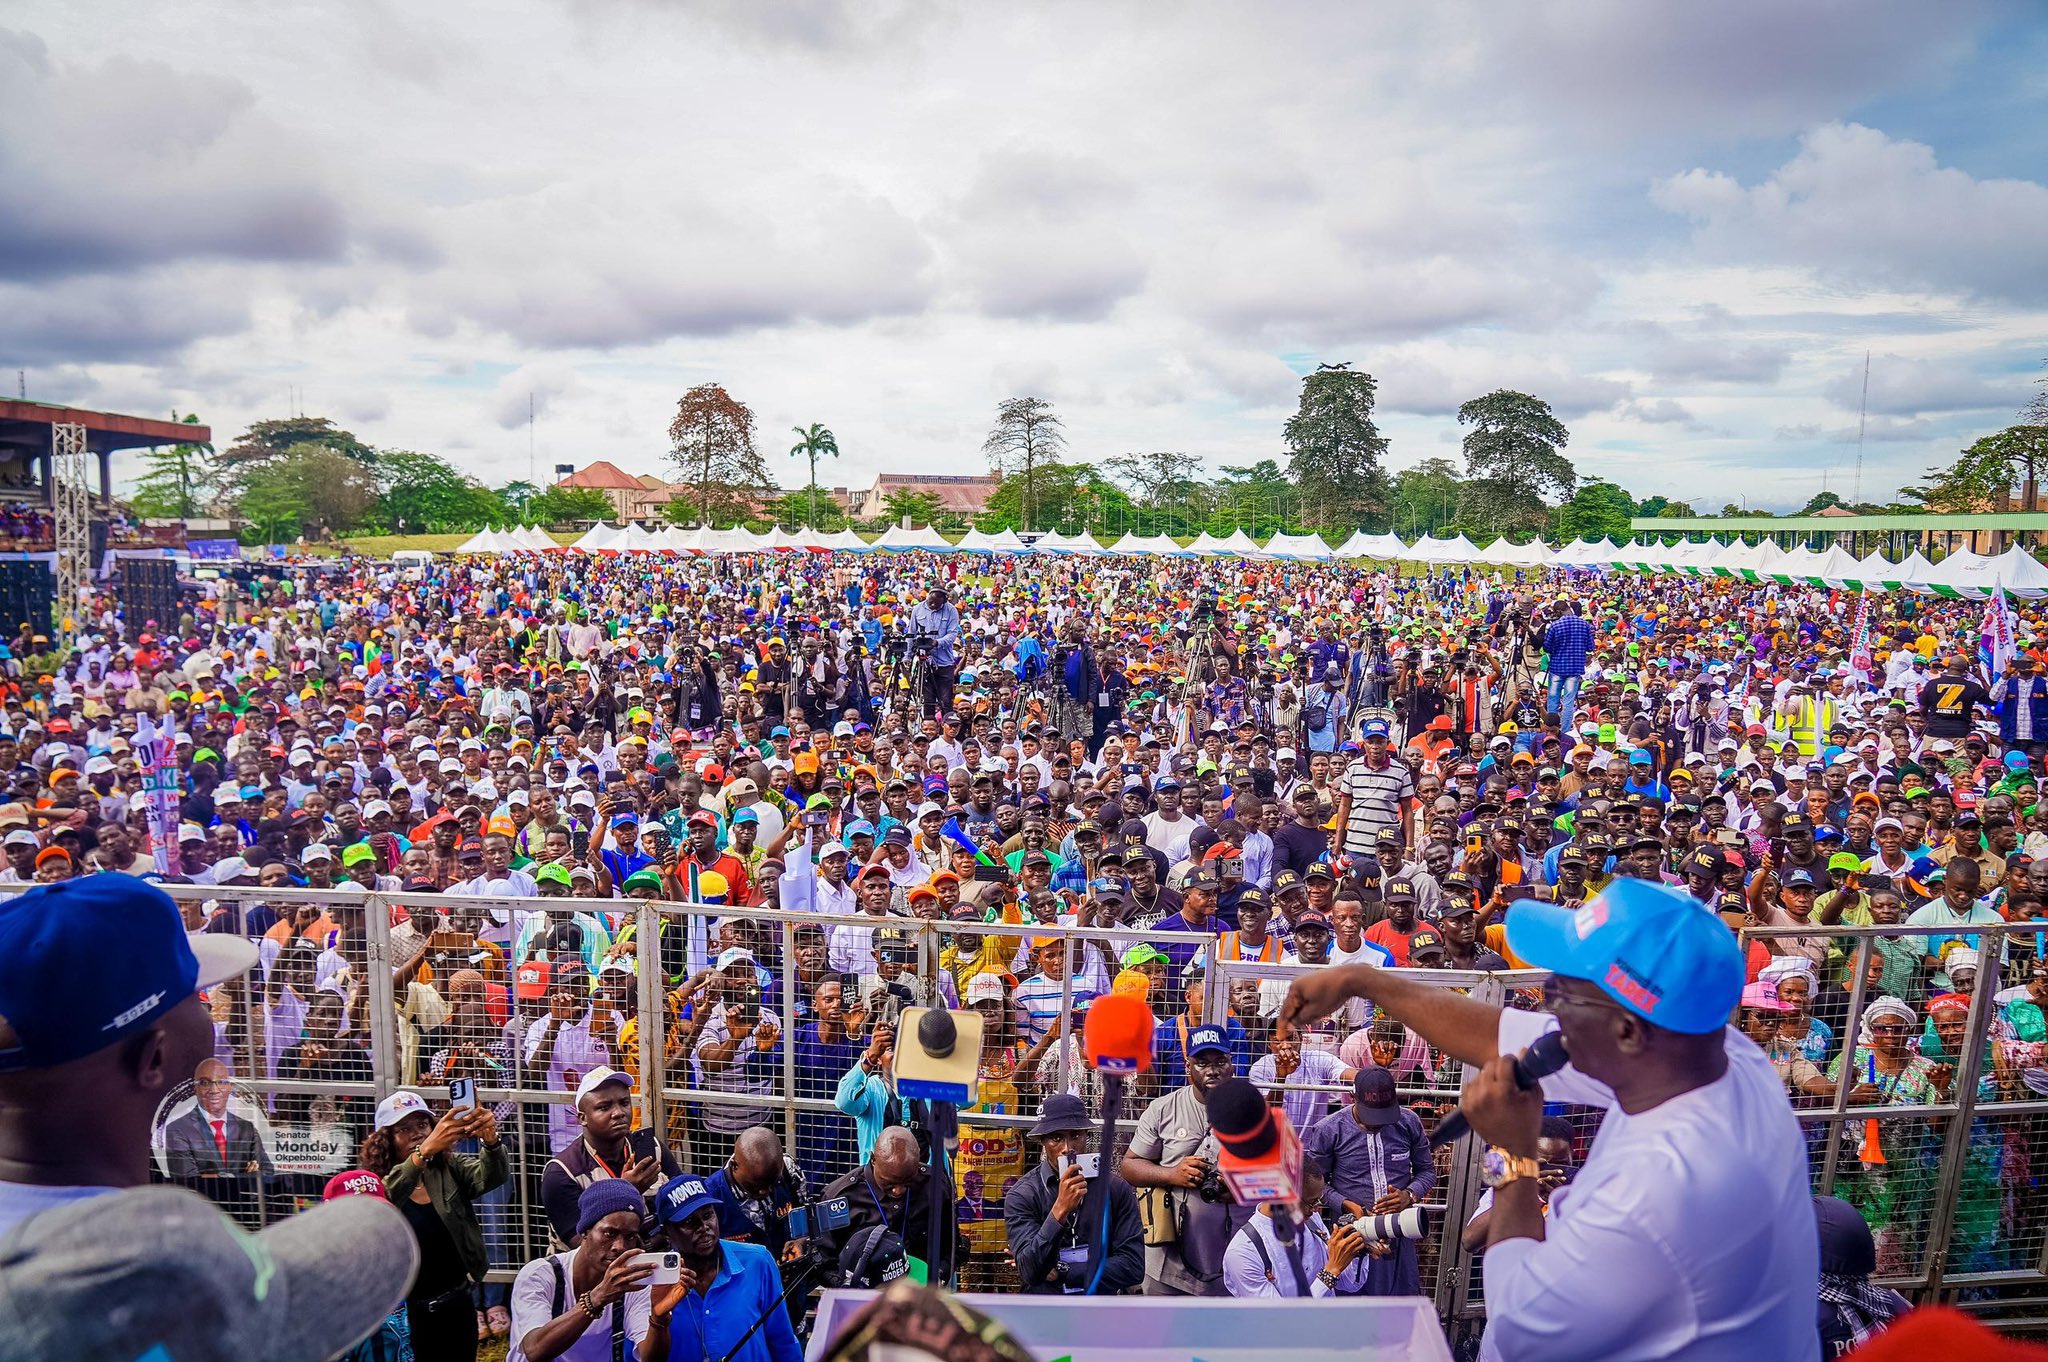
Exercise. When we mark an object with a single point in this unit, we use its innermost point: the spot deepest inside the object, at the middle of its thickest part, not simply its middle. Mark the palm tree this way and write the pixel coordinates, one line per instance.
(811, 443)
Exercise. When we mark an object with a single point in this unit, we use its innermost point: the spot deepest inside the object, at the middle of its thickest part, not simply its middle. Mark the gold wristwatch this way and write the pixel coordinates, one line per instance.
(1499, 1168)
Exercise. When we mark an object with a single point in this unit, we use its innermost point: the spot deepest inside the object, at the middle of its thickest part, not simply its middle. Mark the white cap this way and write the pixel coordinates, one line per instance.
(398, 1106)
(316, 851)
(375, 807)
(1287, 754)
(984, 988)
(21, 837)
(734, 955)
(598, 1077)
(228, 868)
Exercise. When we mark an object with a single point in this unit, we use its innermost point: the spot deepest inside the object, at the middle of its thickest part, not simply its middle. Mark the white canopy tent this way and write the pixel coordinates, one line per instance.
(1005, 541)
(597, 537)
(1055, 542)
(1430, 549)
(1207, 545)
(1304, 548)
(1973, 576)
(922, 537)
(1504, 553)
(841, 541)
(483, 541)
(1363, 545)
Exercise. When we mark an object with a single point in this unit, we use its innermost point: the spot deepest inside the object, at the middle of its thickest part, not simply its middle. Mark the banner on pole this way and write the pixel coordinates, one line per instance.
(162, 789)
(1998, 641)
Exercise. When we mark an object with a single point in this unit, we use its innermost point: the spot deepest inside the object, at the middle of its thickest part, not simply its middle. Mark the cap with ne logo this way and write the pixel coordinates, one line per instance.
(1645, 945)
(85, 963)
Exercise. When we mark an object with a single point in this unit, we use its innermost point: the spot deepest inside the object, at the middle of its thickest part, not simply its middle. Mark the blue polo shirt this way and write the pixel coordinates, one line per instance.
(748, 1285)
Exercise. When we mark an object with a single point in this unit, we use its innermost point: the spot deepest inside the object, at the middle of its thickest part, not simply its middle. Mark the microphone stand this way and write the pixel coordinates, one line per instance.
(1097, 1200)
(781, 1302)
(942, 1120)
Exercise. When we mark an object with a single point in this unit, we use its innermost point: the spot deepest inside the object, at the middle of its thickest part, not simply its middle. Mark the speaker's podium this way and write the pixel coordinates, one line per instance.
(1186, 1329)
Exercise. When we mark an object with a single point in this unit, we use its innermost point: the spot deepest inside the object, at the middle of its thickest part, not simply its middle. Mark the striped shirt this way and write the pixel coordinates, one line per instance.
(1376, 798)
(1038, 998)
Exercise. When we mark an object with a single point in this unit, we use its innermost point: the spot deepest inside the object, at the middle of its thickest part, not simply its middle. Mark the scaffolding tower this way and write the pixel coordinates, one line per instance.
(71, 514)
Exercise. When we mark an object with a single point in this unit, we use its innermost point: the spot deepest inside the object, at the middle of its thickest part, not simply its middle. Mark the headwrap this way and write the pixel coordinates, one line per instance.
(1787, 966)
(1885, 1005)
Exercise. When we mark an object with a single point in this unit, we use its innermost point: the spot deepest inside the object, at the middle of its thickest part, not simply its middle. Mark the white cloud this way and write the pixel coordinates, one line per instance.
(1911, 387)
(1857, 206)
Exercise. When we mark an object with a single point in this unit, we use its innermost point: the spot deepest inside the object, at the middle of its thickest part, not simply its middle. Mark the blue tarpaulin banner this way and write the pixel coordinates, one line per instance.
(215, 548)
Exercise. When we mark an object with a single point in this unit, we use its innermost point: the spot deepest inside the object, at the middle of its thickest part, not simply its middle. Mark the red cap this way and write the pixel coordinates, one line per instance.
(532, 981)
(355, 1182)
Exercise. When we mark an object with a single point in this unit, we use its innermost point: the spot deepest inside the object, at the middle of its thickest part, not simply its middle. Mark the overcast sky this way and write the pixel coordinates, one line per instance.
(1682, 224)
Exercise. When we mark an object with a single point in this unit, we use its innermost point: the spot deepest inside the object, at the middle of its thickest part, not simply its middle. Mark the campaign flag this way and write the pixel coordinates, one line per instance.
(1859, 646)
(161, 789)
(1997, 641)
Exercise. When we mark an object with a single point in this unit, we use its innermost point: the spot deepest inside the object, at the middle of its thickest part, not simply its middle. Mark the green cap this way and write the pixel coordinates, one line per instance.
(1845, 860)
(1144, 953)
(644, 879)
(356, 853)
(554, 872)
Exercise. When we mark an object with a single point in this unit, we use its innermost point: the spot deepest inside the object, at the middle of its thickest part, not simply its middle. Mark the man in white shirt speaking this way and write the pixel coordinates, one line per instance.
(1689, 1233)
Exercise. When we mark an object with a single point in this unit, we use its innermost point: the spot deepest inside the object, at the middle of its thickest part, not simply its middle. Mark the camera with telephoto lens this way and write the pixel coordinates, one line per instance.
(1412, 1223)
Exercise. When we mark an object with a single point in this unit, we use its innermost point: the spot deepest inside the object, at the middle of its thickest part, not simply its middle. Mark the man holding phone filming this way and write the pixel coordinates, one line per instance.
(1042, 1211)
(587, 1303)
(609, 1147)
(728, 1288)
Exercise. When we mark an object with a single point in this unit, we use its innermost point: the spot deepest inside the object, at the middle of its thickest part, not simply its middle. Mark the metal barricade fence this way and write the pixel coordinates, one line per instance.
(322, 1030)
(1935, 1126)
(1427, 1081)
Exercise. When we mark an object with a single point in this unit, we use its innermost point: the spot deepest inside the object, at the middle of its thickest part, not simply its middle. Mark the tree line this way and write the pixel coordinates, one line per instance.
(307, 476)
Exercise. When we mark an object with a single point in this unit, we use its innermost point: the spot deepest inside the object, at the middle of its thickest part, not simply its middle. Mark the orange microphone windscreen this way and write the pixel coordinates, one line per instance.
(1117, 1035)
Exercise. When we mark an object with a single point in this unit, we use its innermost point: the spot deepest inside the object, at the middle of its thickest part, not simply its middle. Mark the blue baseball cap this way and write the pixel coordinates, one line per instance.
(1206, 1038)
(745, 816)
(85, 963)
(1648, 946)
(1639, 757)
(680, 1198)
(859, 827)
(1376, 728)
(2016, 761)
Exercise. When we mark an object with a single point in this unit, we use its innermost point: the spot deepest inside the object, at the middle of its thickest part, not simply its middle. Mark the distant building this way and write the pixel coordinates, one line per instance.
(964, 494)
(632, 498)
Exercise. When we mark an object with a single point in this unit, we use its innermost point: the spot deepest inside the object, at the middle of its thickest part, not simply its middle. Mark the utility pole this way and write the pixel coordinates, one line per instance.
(531, 464)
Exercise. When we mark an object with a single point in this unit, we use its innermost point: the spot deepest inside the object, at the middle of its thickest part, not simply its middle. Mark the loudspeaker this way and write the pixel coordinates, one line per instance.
(28, 591)
(147, 590)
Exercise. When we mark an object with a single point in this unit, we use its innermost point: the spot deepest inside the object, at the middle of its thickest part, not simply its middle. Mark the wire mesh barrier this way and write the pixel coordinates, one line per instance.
(356, 996)
(1916, 1058)
(1427, 1082)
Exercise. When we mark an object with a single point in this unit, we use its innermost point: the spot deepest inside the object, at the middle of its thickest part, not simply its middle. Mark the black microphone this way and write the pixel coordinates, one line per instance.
(1539, 1062)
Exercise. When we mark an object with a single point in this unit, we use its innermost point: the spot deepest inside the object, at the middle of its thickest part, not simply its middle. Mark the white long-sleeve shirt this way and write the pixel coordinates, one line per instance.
(1687, 1235)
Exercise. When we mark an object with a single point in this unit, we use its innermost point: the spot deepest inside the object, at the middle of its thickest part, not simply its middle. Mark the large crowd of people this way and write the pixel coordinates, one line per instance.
(954, 761)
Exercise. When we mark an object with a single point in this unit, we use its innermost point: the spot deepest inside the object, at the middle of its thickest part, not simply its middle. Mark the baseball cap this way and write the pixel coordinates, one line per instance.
(1375, 728)
(598, 1077)
(398, 1106)
(85, 963)
(1372, 1089)
(984, 988)
(554, 872)
(680, 1198)
(1206, 1038)
(1144, 953)
(1646, 945)
(1423, 941)
(196, 1286)
(355, 853)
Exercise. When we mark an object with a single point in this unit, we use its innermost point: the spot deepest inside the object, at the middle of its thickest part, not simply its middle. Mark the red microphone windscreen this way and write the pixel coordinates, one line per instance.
(1117, 1034)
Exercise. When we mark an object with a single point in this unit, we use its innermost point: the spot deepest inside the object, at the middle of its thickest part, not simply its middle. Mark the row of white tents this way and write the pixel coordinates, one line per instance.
(1959, 574)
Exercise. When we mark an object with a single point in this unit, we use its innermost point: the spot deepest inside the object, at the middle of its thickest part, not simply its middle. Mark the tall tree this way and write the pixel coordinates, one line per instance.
(812, 442)
(426, 493)
(1027, 431)
(712, 443)
(564, 505)
(1597, 510)
(309, 489)
(178, 481)
(1513, 461)
(1069, 496)
(516, 494)
(794, 508)
(1988, 471)
(1335, 451)
(1158, 479)
(267, 440)
(919, 508)
(1426, 498)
